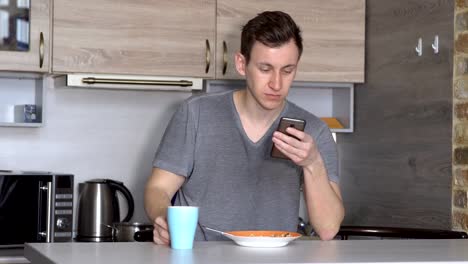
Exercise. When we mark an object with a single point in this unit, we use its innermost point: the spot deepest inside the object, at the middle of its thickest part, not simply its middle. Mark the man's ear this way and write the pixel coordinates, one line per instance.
(240, 63)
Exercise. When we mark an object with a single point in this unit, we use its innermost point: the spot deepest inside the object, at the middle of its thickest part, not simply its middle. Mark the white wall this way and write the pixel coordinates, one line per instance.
(93, 134)
(103, 133)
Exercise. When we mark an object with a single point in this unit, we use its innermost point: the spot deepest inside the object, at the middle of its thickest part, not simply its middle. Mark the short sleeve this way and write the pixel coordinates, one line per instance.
(176, 150)
(328, 150)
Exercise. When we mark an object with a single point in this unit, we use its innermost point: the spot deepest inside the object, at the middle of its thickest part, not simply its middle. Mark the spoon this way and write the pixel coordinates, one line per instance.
(214, 230)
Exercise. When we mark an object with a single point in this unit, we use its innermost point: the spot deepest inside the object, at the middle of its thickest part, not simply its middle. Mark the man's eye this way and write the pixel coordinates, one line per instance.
(289, 70)
(264, 69)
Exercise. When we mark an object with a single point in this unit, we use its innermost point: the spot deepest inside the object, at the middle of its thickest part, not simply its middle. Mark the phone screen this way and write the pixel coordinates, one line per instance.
(286, 122)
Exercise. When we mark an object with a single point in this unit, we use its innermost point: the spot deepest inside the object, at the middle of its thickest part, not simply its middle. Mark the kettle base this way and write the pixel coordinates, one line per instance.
(94, 239)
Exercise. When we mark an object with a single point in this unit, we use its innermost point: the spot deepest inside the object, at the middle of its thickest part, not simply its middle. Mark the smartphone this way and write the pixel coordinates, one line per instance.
(286, 122)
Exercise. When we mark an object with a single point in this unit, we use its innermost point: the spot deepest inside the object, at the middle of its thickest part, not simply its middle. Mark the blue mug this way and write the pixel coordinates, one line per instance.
(182, 221)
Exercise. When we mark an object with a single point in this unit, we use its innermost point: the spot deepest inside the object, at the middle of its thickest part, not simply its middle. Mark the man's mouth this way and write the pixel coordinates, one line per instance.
(273, 96)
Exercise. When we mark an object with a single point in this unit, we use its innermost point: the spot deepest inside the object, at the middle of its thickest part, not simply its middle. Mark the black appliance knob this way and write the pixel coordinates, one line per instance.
(63, 223)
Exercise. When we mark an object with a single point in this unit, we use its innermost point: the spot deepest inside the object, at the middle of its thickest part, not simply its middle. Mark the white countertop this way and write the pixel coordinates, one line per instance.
(300, 251)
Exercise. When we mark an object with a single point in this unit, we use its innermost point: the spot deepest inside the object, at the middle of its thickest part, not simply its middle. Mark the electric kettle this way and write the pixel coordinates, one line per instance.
(98, 208)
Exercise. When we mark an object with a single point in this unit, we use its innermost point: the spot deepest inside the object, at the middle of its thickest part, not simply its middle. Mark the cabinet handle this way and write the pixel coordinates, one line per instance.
(92, 80)
(208, 56)
(224, 57)
(41, 50)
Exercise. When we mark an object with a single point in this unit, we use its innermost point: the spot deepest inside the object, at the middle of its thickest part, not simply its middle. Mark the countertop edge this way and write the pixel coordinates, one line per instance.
(34, 256)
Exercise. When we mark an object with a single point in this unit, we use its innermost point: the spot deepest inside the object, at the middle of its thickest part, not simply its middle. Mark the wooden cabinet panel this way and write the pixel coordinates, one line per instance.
(333, 33)
(147, 37)
(29, 61)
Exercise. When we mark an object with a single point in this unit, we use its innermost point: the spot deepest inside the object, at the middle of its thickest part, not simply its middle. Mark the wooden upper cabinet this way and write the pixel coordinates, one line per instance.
(333, 34)
(148, 37)
(25, 48)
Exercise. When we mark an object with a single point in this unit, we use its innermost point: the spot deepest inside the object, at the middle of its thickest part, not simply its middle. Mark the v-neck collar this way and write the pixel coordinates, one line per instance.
(241, 129)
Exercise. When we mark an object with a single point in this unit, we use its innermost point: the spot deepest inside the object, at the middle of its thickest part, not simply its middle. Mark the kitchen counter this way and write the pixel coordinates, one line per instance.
(299, 251)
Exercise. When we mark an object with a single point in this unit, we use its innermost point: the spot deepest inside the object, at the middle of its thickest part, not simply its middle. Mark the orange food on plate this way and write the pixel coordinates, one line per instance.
(266, 233)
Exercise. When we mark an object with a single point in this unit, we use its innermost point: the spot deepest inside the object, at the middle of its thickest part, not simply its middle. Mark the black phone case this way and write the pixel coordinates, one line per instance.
(286, 122)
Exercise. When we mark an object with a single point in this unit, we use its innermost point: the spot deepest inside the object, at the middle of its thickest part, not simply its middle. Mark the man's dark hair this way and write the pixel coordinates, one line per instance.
(271, 28)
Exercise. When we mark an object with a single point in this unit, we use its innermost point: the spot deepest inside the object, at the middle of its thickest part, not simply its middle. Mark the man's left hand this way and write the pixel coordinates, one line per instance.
(301, 151)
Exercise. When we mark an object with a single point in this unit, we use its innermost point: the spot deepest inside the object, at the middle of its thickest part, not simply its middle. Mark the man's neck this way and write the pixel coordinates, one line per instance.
(255, 119)
(246, 105)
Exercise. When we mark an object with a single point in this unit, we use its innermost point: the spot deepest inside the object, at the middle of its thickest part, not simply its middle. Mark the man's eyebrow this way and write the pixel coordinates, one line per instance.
(269, 65)
(289, 67)
(264, 64)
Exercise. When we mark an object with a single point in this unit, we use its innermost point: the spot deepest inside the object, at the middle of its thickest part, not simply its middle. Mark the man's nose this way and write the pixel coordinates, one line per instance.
(275, 81)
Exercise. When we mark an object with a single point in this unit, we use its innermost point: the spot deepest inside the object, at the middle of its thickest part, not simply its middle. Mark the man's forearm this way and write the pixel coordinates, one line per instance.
(324, 204)
(156, 202)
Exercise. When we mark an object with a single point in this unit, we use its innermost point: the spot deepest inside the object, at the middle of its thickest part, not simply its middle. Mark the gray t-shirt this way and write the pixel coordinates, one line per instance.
(234, 181)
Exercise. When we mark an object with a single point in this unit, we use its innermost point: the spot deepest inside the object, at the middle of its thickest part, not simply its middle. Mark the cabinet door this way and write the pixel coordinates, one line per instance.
(333, 33)
(396, 169)
(150, 37)
(24, 35)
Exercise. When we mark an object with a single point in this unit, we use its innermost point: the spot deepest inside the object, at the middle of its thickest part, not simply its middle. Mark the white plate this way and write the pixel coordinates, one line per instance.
(265, 238)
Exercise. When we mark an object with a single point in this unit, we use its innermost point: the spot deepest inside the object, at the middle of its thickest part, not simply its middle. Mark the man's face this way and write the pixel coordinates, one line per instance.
(269, 73)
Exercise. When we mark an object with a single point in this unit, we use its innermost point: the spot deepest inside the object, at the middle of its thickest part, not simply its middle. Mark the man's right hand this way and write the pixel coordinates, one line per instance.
(160, 188)
(161, 231)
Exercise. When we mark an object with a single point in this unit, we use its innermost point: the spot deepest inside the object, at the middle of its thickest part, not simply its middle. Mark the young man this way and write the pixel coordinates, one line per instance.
(215, 152)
